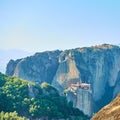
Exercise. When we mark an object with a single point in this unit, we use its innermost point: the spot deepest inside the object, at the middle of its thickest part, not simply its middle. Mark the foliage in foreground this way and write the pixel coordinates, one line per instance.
(33, 101)
(11, 116)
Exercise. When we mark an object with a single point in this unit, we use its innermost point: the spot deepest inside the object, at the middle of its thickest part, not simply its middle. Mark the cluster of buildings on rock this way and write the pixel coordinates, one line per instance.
(81, 95)
(85, 86)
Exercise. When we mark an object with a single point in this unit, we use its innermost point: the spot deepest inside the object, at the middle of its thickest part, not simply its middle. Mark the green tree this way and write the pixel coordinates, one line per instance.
(11, 116)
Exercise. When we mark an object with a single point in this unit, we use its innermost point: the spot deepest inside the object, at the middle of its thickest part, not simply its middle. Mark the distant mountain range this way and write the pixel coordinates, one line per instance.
(6, 55)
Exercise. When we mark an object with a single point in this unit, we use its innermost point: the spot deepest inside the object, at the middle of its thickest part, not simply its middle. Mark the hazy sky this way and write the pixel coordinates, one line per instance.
(38, 25)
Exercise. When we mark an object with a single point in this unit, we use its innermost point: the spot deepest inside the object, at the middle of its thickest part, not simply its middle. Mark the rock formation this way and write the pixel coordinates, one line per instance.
(109, 112)
(82, 94)
(38, 68)
(98, 66)
(6, 55)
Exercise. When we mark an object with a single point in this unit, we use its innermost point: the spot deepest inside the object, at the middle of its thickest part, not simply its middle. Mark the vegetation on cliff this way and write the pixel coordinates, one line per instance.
(33, 101)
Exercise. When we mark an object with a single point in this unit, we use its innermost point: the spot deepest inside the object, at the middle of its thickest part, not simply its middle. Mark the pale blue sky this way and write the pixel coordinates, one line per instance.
(39, 25)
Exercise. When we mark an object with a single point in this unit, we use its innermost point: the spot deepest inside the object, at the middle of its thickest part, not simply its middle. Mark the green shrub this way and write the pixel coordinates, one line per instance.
(11, 116)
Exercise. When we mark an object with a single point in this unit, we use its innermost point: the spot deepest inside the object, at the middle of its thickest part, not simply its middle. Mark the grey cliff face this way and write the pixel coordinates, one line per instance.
(38, 68)
(81, 95)
(11, 66)
(98, 66)
(32, 91)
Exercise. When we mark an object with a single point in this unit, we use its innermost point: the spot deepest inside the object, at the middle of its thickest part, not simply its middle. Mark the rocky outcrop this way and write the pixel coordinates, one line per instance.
(33, 91)
(38, 68)
(84, 101)
(12, 66)
(98, 66)
(6, 55)
(82, 95)
(109, 112)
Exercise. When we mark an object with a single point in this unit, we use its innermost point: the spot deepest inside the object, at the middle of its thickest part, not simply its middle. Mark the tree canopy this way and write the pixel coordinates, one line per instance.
(33, 100)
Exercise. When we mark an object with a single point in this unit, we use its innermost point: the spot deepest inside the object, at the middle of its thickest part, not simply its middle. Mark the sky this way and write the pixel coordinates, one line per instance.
(40, 25)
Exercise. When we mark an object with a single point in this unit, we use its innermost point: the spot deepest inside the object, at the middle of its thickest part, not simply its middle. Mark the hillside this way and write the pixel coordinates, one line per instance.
(98, 66)
(109, 112)
(34, 101)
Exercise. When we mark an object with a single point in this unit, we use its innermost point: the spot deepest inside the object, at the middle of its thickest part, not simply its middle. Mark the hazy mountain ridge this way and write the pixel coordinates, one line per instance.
(98, 66)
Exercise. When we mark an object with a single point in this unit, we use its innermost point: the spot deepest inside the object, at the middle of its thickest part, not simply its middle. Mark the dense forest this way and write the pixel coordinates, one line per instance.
(19, 97)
